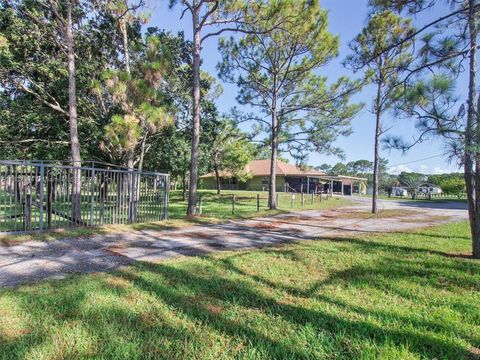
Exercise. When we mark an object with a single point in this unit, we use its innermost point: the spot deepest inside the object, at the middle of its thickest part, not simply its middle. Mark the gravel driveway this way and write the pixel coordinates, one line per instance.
(33, 261)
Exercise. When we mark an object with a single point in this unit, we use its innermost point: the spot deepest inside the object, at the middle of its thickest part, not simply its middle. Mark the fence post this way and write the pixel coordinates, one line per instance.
(278, 199)
(303, 200)
(165, 197)
(101, 195)
(293, 200)
(42, 174)
(49, 200)
(313, 198)
(258, 202)
(233, 204)
(92, 197)
(27, 211)
(200, 204)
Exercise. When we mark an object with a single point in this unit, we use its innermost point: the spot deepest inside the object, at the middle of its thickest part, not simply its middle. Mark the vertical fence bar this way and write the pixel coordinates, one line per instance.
(42, 174)
(11, 220)
(4, 177)
(49, 199)
(258, 202)
(233, 204)
(92, 197)
(166, 185)
(28, 212)
(16, 196)
(101, 197)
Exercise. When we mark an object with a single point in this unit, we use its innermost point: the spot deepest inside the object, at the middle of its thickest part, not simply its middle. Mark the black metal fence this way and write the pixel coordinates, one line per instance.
(39, 196)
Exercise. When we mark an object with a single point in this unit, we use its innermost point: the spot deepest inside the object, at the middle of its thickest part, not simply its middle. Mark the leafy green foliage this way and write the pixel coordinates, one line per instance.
(34, 79)
(140, 98)
(275, 73)
(411, 181)
(231, 151)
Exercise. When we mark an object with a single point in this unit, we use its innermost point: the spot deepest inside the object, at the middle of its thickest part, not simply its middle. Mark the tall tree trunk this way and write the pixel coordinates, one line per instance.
(472, 138)
(142, 152)
(72, 116)
(122, 24)
(272, 191)
(376, 153)
(192, 191)
(217, 179)
(126, 54)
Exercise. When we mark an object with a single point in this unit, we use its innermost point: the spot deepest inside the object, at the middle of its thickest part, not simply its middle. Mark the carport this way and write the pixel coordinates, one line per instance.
(343, 184)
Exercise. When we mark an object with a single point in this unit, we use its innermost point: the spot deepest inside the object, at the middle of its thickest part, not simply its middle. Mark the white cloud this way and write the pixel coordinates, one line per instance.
(421, 168)
(395, 170)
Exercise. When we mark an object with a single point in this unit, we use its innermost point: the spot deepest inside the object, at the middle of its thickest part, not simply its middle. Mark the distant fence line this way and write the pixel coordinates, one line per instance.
(35, 195)
(232, 204)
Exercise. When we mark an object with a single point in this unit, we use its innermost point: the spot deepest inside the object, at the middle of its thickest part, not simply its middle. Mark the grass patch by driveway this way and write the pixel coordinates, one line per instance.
(395, 296)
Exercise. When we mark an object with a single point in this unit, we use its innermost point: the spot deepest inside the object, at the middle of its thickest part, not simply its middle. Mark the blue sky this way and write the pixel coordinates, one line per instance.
(346, 19)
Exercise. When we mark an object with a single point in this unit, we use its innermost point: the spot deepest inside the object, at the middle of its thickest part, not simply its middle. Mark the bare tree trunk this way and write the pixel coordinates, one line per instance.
(122, 25)
(142, 152)
(472, 137)
(217, 179)
(72, 116)
(192, 191)
(126, 52)
(272, 198)
(376, 153)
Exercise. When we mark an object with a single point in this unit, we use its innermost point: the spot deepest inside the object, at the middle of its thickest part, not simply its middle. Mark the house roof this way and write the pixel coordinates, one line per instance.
(262, 168)
(342, 178)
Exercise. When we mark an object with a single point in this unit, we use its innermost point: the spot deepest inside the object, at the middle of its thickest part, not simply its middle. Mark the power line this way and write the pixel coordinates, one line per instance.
(418, 160)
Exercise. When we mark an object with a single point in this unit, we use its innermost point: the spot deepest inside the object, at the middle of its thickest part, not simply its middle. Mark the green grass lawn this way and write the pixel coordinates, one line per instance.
(220, 206)
(396, 296)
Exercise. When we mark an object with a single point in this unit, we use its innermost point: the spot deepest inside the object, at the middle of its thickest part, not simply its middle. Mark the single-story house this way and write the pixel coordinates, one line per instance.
(289, 178)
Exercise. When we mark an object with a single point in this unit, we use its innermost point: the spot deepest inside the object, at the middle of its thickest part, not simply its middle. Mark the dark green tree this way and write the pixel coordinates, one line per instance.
(231, 152)
(275, 69)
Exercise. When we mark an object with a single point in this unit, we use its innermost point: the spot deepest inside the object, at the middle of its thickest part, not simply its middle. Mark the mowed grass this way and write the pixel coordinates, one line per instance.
(395, 296)
(221, 206)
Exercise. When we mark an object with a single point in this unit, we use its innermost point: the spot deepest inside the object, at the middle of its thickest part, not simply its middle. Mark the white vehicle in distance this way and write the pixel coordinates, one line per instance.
(398, 191)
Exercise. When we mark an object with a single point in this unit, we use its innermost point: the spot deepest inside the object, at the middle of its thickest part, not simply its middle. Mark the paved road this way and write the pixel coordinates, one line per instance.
(34, 261)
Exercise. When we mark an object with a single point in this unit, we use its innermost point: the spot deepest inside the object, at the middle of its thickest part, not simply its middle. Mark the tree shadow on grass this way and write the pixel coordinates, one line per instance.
(116, 332)
(203, 298)
(242, 293)
(394, 261)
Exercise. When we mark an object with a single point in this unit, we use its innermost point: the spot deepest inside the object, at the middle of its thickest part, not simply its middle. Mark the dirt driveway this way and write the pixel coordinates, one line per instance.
(33, 261)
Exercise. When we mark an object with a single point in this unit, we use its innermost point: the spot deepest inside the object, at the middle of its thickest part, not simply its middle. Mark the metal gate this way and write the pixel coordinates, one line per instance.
(39, 196)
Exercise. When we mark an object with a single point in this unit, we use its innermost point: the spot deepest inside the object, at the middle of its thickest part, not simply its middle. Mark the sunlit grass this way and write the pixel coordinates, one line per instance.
(396, 296)
(221, 206)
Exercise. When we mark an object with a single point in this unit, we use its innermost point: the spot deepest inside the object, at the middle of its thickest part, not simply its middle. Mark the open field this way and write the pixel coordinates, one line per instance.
(221, 206)
(395, 296)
